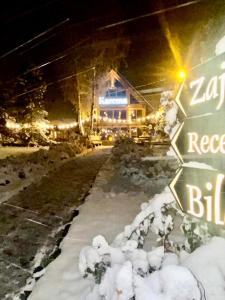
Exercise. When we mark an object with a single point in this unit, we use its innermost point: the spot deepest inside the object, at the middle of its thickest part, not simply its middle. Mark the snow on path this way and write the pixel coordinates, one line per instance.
(102, 213)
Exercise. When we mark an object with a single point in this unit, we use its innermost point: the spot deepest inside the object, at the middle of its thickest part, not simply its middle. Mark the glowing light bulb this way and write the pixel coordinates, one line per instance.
(181, 74)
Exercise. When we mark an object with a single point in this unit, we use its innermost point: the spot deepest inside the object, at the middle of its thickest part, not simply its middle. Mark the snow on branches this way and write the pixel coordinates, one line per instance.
(124, 270)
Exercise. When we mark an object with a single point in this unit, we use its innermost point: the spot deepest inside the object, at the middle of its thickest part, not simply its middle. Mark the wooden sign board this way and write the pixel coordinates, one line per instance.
(202, 139)
(204, 89)
(201, 193)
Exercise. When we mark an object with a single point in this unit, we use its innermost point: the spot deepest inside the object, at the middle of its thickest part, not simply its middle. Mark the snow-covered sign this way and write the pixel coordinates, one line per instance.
(201, 139)
(204, 89)
(201, 193)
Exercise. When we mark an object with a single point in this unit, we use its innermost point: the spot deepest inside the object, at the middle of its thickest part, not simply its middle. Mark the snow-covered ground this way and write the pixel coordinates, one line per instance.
(199, 275)
(15, 151)
(21, 166)
(102, 213)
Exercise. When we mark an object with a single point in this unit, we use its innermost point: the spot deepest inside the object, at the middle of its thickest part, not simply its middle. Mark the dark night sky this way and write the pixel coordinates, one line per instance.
(149, 54)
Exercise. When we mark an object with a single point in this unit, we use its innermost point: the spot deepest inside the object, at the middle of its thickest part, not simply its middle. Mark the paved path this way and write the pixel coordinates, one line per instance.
(106, 211)
(29, 218)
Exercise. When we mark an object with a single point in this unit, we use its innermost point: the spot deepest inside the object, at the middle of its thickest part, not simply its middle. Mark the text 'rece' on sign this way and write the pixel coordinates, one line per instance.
(202, 140)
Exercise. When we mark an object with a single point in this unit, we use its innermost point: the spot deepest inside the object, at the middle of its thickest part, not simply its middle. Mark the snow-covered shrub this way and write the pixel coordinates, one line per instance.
(64, 150)
(33, 136)
(124, 270)
(123, 146)
(140, 170)
(196, 232)
(120, 270)
(170, 282)
(171, 122)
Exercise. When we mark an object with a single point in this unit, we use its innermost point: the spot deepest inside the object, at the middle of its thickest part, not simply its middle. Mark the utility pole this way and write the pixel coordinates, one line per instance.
(79, 115)
(77, 88)
(93, 101)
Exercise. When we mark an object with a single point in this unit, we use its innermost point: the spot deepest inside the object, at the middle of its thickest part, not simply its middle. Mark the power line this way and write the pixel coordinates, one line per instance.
(53, 82)
(107, 26)
(150, 83)
(58, 57)
(45, 64)
(158, 12)
(52, 60)
(101, 28)
(34, 38)
(38, 43)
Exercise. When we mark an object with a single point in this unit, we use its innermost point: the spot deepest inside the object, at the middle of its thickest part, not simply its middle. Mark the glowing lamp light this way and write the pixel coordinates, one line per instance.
(181, 75)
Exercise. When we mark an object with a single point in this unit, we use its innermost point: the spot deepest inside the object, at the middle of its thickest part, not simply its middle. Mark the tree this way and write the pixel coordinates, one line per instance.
(29, 99)
(23, 100)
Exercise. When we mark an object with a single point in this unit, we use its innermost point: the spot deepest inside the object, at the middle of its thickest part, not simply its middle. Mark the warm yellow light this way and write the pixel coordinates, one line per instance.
(181, 74)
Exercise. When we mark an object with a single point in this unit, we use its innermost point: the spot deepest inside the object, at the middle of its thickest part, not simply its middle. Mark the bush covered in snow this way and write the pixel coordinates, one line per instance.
(134, 166)
(133, 163)
(124, 270)
(123, 146)
(32, 136)
(65, 150)
(171, 123)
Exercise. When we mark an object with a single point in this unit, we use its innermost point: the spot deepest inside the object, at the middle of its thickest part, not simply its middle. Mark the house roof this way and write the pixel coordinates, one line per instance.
(127, 86)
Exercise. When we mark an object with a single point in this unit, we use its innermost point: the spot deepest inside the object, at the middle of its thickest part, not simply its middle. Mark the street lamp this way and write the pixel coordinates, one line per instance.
(181, 75)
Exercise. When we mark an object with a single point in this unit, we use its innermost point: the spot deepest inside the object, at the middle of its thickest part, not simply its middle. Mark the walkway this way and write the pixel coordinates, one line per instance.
(112, 204)
(29, 219)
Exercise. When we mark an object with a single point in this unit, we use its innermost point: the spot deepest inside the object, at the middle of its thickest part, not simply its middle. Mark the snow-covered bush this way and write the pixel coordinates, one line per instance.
(65, 150)
(123, 146)
(123, 270)
(196, 232)
(171, 121)
(33, 136)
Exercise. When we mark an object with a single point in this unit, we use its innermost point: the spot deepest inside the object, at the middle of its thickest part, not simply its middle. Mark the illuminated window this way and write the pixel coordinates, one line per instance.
(106, 113)
(123, 114)
(120, 114)
(121, 94)
(134, 115)
(139, 113)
